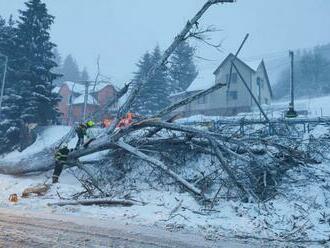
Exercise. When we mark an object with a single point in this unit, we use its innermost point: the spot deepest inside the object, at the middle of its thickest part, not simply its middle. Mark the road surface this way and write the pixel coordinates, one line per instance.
(30, 229)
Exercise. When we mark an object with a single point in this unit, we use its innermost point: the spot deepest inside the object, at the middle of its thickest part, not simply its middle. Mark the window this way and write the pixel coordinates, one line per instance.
(232, 95)
(201, 100)
(260, 82)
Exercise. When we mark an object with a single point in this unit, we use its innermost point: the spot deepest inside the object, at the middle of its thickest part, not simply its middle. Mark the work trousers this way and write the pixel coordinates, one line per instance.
(80, 141)
(57, 171)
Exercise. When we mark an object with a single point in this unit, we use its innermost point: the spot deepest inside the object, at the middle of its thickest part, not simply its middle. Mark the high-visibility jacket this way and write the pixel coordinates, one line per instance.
(126, 121)
(61, 155)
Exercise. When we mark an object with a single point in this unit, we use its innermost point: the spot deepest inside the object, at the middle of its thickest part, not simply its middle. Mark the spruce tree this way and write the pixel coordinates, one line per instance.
(37, 62)
(58, 68)
(70, 70)
(154, 94)
(183, 70)
(84, 75)
(160, 88)
(144, 66)
(12, 105)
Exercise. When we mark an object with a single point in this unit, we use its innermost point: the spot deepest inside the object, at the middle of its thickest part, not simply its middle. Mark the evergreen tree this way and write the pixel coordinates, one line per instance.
(70, 70)
(84, 75)
(37, 62)
(154, 94)
(311, 71)
(182, 71)
(144, 66)
(58, 68)
(12, 105)
(57, 58)
(160, 85)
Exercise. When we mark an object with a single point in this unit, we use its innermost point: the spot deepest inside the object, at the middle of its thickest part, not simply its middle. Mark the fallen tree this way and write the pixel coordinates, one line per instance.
(99, 201)
(44, 160)
(249, 167)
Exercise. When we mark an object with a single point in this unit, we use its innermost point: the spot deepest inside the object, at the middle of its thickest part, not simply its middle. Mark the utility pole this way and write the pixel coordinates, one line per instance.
(291, 112)
(70, 122)
(3, 81)
(86, 99)
(259, 92)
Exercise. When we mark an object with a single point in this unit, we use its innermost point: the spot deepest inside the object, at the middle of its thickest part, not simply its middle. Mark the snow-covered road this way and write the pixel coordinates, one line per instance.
(32, 229)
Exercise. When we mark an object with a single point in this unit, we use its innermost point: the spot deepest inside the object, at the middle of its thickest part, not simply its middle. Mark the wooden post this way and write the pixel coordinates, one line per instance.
(85, 99)
(70, 104)
(249, 90)
(236, 54)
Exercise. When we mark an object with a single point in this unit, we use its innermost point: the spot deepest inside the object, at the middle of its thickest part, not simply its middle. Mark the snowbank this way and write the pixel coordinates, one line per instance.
(46, 139)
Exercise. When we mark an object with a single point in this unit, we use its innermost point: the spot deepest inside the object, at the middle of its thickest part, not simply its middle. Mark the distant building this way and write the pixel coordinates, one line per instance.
(229, 100)
(73, 95)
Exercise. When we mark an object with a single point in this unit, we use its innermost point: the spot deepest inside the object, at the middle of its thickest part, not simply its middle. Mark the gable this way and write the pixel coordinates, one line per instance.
(264, 70)
(228, 59)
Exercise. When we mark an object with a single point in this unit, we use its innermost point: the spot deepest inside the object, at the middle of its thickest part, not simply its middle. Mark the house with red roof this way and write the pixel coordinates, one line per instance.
(80, 100)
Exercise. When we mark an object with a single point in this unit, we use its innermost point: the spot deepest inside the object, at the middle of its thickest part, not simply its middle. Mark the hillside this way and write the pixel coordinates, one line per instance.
(312, 71)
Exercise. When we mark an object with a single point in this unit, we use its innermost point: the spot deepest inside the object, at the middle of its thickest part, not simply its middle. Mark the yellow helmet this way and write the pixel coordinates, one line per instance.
(90, 124)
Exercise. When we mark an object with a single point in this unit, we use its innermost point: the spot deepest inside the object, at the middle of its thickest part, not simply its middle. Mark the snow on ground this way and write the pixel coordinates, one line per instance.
(45, 139)
(315, 107)
(301, 210)
(303, 213)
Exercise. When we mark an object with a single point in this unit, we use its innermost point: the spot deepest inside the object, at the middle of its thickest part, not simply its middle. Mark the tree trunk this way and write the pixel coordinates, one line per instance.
(89, 202)
(161, 165)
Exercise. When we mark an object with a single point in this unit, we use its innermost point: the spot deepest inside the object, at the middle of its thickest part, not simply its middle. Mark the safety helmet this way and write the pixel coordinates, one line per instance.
(90, 123)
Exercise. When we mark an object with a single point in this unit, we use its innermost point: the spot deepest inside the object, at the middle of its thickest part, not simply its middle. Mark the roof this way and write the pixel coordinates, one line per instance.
(80, 88)
(203, 81)
(81, 100)
(56, 89)
(251, 66)
(178, 93)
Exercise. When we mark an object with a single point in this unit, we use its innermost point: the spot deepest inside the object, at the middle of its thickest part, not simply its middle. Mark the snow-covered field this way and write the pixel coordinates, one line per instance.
(303, 213)
(315, 107)
(301, 210)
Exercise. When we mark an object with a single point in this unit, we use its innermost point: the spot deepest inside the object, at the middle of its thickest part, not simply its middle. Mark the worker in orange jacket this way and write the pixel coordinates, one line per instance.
(126, 121)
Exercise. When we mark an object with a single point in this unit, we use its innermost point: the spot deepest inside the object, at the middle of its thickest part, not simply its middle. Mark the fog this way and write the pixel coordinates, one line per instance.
(121, 31)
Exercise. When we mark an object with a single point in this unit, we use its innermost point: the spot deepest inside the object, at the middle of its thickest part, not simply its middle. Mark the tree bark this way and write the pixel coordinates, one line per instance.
(187, 100)
(89, 202)
(178, 39)
(160, 165)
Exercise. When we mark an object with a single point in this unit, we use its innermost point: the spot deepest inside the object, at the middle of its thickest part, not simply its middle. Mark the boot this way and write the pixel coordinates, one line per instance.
(55, 179)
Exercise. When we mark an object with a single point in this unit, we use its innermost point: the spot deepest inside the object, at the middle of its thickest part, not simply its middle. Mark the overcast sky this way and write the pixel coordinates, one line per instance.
(121, 31)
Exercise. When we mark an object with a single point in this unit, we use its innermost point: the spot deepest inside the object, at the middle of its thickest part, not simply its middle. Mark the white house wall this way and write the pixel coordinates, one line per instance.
(243, 96)
(265, 96)
(216, 103)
